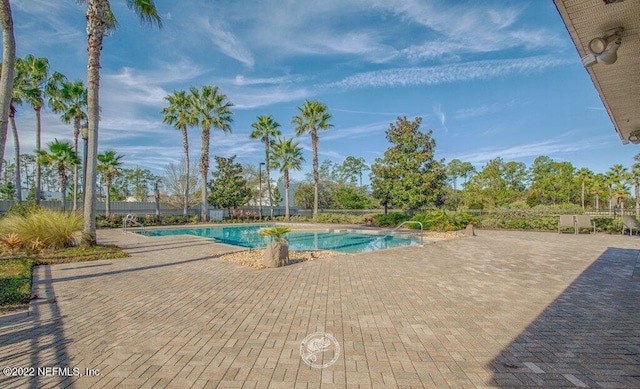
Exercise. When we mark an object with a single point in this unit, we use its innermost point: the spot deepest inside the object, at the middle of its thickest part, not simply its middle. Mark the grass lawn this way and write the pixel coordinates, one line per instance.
(15, 272)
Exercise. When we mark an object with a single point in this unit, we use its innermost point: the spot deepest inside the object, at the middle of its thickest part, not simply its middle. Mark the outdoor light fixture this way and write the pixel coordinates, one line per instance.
(634, 137)
(604, 49)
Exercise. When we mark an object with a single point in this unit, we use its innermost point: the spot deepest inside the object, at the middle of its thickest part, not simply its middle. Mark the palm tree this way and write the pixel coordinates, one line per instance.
(210, 110)
(599, 188)
(287, 155)
(179, 114)
(69, 99)
(634, 178)
(36, 72)
(7, 72)
(584, 175)
(100, 21)
(62, 157)
(109, 167)
(616, 176)
(313, 117)
(265, 128)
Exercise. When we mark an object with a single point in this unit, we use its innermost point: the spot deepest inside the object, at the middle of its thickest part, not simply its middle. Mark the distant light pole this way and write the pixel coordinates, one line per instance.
(84, 131)
(260, 188)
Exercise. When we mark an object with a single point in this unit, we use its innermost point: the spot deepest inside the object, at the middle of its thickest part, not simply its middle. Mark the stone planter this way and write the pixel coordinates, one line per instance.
(276, 254)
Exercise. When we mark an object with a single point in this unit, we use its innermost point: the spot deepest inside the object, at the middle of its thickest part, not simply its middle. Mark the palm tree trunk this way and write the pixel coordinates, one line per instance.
(8, 69)
(204, 170)
(38, 146)
(266, 160)
(582, 195)
(16, 145)
(76, 134)
(314, 145)
(185, 144)
(597, 202)
(96, 27)
(107, 204)
(286, 194)
(63, 187)
(637, 189)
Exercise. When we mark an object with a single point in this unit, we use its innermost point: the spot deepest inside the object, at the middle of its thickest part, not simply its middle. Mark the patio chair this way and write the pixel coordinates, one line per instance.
(630, 223)
(584, 221)
(566, 221)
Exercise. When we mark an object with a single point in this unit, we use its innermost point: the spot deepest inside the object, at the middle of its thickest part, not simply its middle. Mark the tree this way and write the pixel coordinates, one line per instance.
(210, 110)
(552, 182)
(63, 158)
(313, 117)
(6, 73)
(177, 177)
(599, 188)
(583, 175)
(616, 177)
(635, 180)
(351, 170)
(409, 176)
(351, 197)
(109, 166)
(37, 71)
(266, 129)
(179, 113)
(100, 21)
(69, 99)
(287, 155)
(228, 187)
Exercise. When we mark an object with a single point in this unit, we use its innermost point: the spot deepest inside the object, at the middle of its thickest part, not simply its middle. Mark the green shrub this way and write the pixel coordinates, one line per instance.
(23, 208)
(339, 218)
(441, 220)
(49, 229)
(608, 225)
(111, 221)
(390, 220)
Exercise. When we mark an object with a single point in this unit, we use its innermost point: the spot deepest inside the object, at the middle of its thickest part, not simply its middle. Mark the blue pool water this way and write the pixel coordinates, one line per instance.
(247, 236)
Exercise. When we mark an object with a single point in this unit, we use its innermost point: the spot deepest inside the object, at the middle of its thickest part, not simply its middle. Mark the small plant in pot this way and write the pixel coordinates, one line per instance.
(277, 252)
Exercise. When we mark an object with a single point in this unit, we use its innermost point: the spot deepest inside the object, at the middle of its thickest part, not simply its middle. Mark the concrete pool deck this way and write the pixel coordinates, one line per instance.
(503, 309)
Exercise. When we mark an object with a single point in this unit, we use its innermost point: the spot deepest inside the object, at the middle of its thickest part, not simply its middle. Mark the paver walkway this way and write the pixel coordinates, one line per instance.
(503, 309)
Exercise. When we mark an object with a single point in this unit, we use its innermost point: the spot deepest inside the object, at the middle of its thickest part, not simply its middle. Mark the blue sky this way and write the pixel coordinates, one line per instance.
(491, 78)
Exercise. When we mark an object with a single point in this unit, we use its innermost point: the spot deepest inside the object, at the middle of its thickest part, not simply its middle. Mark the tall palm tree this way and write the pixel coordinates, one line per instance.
(36, 72)
(62, 157)
(287, 155)
(7, 72)
(210, 110)
(584, 175)
(100, 21)
(313, 117)
(635, 179)
(616, 176)
(109, 166)
(179, 113)
(265, 129)
(69, 99)
(599, 188)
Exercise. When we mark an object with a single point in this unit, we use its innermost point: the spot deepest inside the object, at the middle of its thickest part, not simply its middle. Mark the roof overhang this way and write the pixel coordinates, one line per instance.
(617, 84)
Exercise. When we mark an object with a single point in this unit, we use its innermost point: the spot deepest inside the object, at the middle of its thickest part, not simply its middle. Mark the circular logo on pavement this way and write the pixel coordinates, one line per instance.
(319, 347)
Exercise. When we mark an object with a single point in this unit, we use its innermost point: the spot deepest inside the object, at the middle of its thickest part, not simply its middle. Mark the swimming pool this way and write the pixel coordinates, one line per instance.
(247, 236)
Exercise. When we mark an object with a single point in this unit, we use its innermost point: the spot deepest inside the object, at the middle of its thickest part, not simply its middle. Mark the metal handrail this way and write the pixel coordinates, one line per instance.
(129, 219)
(410, 222)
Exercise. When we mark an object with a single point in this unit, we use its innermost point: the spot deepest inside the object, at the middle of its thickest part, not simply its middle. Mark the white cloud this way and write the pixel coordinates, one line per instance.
(228, 43)
(437, 109)
(466, 113)
(443, 74)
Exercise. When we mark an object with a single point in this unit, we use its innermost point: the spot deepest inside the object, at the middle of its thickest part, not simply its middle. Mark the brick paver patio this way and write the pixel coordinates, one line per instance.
(503, 309)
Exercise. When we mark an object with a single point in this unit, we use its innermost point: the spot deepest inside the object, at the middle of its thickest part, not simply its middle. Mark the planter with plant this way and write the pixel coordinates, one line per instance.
(277, 252)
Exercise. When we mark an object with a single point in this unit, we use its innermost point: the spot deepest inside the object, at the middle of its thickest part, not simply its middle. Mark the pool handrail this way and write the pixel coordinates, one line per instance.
(409, 222)
(129, 220)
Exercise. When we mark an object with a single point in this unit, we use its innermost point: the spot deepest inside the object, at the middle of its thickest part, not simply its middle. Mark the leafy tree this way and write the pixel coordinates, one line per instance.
(100, 22)
(313, 117)
(179, 113)
(409, 176)
(210, 110)
(552, 182)
(109, 167)
(351, 170)
(350, 197)
(454, 170)
(62, 156)
(7, 72)
(7, 191)
(228, 187)
(69, 99)
(287, 155)
(266, 129)
(175, 181)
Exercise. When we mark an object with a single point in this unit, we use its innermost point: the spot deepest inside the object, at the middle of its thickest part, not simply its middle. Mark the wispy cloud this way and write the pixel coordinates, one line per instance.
(434, 75)
(241, 80)
(228, 43)
(357, 131)
(437, 110)
(466, 113)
